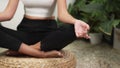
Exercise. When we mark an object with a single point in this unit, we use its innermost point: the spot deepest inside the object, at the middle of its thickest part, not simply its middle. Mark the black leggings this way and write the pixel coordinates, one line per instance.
(33, 31)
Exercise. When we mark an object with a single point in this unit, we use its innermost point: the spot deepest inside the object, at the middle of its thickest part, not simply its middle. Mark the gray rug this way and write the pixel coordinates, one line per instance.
(95, 56)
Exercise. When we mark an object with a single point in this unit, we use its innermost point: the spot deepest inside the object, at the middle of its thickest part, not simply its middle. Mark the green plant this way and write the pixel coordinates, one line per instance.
(90, 12)
(118, 26)
(101, 15)
(112, 9)
(107, 28)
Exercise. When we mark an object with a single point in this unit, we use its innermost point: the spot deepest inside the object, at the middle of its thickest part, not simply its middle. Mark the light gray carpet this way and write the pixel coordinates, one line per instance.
(95, 56)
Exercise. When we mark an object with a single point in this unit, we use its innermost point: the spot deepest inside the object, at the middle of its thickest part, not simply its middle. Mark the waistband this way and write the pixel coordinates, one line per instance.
(45, 20)
(29, 25)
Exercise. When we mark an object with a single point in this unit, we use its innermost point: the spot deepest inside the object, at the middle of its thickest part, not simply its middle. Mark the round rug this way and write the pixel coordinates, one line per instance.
(67, 61)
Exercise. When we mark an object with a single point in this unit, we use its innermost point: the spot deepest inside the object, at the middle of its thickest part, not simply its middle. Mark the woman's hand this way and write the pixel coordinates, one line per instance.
(81, 29)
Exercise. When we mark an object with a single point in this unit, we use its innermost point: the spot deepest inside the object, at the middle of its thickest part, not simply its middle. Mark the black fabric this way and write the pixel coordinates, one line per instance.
(7, 41)
(33, 31)
(58, 39)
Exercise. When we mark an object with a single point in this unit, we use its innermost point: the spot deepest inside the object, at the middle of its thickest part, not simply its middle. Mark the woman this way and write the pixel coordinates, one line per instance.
(38, 35)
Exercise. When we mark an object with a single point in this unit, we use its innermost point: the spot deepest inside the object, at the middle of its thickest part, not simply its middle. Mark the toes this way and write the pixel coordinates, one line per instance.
(60, 54)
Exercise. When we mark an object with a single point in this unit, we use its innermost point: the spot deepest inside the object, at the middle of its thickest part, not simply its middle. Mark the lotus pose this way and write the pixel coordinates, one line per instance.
(38, 34)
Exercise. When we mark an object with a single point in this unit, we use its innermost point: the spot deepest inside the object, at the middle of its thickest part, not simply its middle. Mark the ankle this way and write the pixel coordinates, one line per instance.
(43, 54)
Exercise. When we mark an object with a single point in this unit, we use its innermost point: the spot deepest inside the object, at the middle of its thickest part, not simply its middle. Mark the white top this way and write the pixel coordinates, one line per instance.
(39, 8)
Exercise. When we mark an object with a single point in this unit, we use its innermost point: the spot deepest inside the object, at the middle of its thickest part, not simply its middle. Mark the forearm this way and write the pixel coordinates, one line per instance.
(9, 11)
(66, 17)
(63, 14)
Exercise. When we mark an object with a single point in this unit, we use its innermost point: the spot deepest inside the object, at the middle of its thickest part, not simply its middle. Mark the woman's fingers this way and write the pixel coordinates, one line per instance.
(86, 36)
(82, 34)
(81, 29)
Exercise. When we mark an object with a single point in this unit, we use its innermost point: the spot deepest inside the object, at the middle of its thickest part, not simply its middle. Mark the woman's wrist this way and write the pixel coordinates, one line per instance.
(75, 20)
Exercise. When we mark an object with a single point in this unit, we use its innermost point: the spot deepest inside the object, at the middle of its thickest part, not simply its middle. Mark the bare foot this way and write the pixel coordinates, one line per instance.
(13, 53)
(53, 54)
(49, 54)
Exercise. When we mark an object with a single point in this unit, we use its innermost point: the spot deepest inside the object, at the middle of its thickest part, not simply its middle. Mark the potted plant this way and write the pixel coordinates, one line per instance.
(112, 10)
(116, 37)
(90, 12)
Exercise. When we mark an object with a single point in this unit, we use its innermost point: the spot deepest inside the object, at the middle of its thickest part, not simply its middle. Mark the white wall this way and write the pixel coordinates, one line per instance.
(12, 24)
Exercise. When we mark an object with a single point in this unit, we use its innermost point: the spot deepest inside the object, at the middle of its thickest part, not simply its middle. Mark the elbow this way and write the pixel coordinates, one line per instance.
(6, 16)
(9, 17)
(61, 17)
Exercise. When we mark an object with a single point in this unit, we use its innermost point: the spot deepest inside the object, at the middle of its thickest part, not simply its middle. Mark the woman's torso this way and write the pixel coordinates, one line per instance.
(39, 9)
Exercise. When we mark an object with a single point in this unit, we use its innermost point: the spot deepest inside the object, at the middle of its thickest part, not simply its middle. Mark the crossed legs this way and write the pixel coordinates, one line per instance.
(49, 46)
(33, 50)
